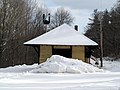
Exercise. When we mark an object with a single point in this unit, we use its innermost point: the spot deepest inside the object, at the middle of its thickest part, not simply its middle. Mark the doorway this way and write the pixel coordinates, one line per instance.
(63, 52)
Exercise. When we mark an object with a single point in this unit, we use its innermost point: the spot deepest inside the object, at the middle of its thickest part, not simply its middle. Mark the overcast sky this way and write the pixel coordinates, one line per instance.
(81, 9)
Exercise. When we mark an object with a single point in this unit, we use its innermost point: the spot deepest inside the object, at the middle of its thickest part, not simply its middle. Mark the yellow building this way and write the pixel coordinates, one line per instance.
(64, 41)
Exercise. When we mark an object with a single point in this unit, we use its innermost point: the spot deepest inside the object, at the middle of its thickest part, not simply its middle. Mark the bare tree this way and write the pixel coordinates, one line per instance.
(38, 25)
(60, 17)
(18, 23)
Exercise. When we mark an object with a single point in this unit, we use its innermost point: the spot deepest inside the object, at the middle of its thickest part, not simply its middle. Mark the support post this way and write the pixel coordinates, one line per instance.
(37, 49)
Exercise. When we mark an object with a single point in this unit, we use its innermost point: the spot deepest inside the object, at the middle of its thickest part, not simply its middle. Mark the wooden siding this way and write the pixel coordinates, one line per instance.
(78, 52)
(45, 52)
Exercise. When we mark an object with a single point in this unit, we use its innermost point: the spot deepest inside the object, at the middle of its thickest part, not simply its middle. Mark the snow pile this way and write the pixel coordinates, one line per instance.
(60, 64)
(18, 68)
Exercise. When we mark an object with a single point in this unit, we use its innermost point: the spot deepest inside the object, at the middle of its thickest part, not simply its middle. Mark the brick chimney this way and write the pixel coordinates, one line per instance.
(76, 27)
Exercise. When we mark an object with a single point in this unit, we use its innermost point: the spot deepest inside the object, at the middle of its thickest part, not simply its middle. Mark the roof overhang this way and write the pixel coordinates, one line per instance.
(62, 35)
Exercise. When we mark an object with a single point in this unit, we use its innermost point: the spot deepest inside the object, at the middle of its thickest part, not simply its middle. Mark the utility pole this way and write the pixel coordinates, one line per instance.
(101, 38)
(100, 18)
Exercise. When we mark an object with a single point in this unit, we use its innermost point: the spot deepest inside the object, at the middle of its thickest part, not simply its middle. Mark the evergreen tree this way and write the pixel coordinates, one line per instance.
(111, 31)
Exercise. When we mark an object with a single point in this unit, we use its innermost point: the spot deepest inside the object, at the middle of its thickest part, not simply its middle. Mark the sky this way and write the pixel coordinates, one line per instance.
(81, 10)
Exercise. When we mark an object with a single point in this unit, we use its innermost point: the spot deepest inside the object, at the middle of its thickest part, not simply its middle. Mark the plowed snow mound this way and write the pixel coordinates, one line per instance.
(60, 64)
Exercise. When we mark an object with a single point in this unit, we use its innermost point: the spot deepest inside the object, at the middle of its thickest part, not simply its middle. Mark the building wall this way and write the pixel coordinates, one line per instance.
(45, 52)
(78, 52)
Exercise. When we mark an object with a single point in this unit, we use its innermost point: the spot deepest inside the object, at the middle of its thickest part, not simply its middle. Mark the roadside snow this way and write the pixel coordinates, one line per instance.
(109, 64)
(113, 66)
(20, 78)
(59, 81)
(60, 64)
(18, 68)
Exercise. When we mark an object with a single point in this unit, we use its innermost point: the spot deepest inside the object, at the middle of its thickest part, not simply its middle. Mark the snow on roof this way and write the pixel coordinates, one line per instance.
(62, 35)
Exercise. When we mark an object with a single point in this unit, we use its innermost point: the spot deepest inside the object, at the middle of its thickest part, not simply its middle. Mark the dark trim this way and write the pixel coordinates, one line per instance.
(52, 48)
(39, 54)
(71, 51)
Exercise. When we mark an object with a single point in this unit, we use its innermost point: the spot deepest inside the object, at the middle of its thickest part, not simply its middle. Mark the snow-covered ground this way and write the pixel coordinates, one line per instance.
(73, 75)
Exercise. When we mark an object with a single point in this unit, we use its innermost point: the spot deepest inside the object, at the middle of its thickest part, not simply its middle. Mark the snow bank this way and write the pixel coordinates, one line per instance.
(110, 65)
(18, 68)
(60, 64)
